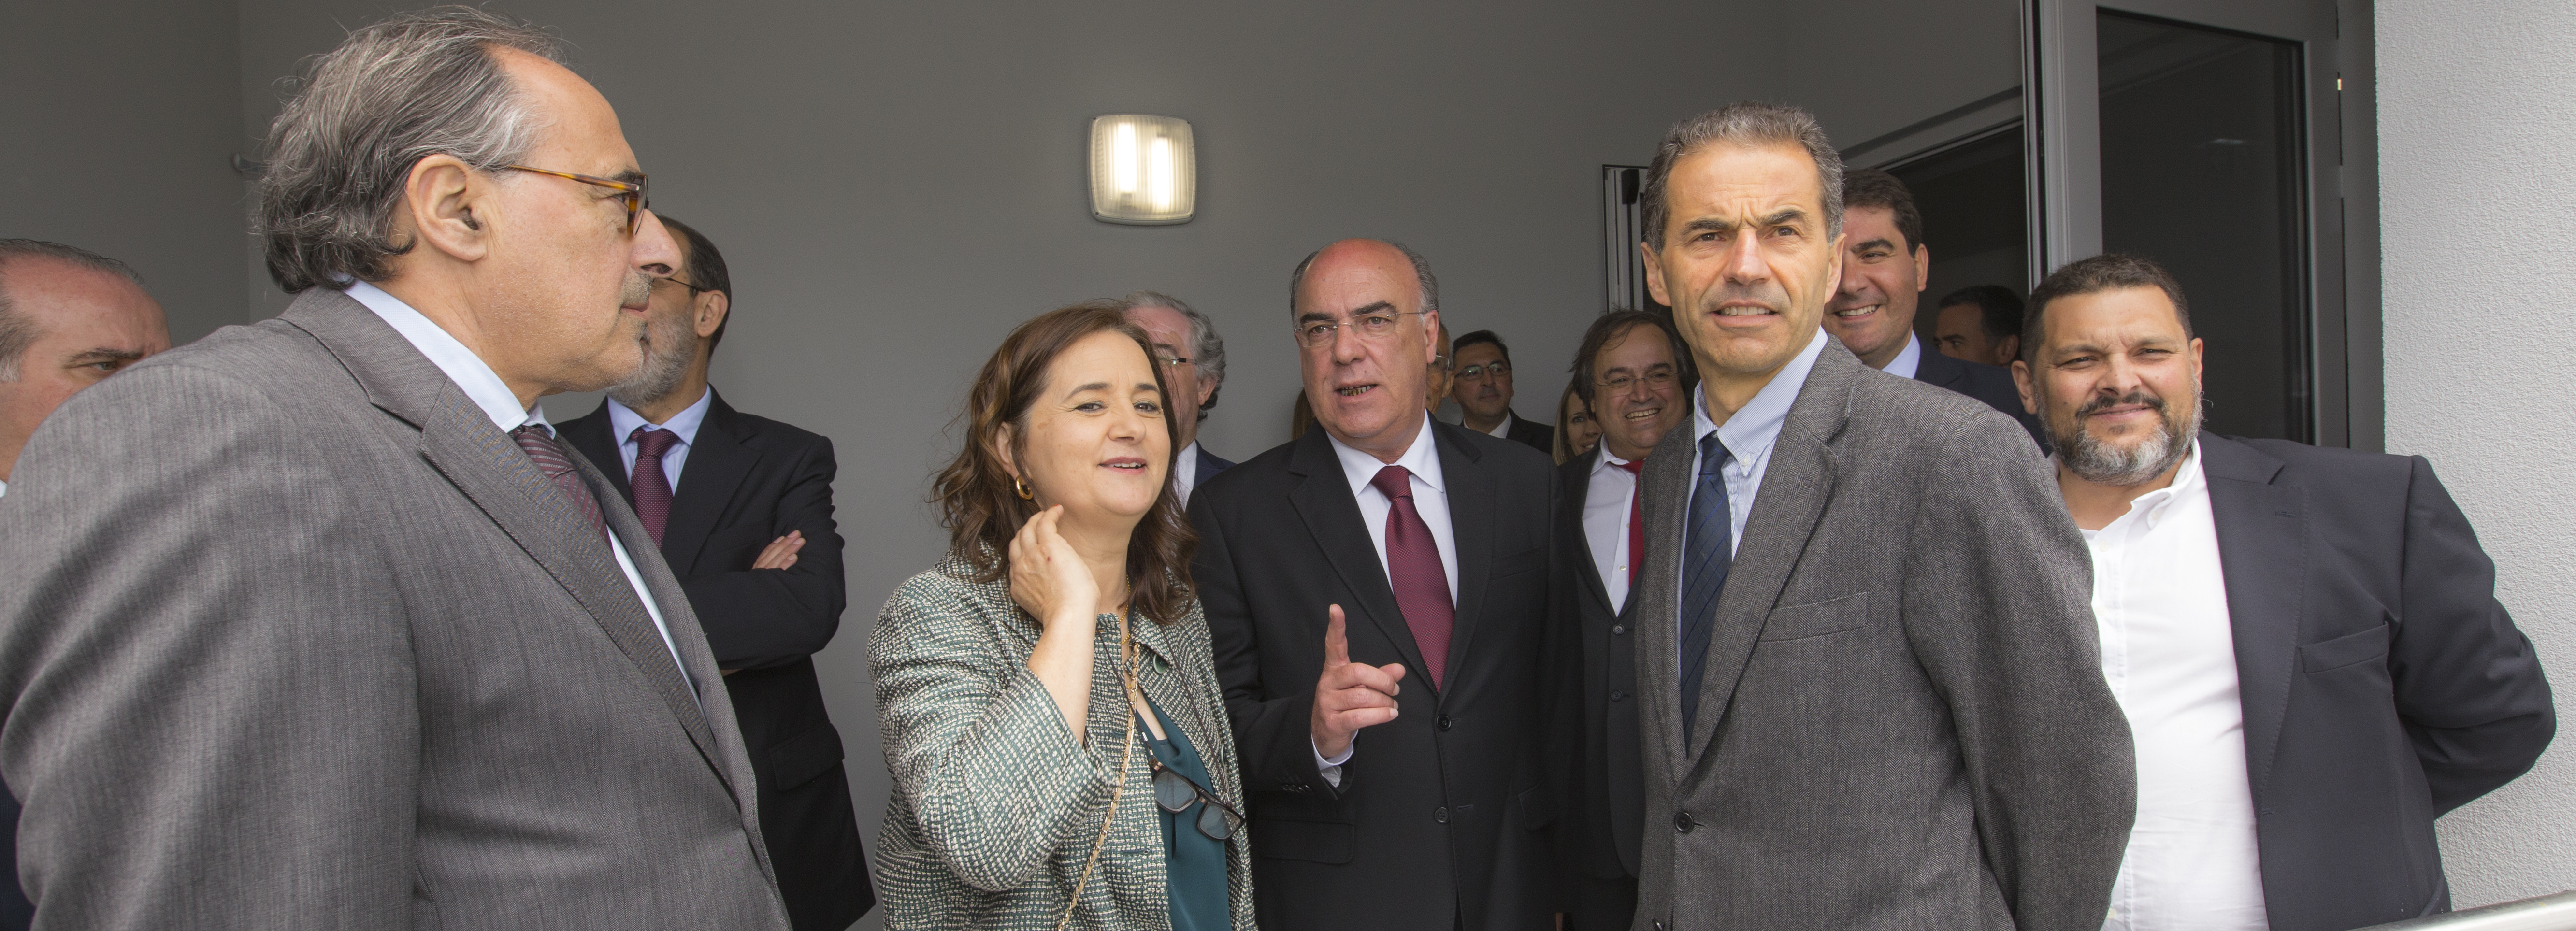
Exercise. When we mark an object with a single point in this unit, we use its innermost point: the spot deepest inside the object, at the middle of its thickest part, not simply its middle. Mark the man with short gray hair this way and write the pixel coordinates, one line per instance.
(1192, 357)
(314, 623)
(1871, 697)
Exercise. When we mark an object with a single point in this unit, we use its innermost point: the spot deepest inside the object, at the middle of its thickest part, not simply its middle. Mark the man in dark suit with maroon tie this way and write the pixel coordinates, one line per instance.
(751, 537)
(1376, 595)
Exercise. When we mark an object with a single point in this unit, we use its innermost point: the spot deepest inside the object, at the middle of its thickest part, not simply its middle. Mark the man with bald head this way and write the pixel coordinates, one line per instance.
(1872, 697)
(1376, 596)
(314, 623)
(68, 317)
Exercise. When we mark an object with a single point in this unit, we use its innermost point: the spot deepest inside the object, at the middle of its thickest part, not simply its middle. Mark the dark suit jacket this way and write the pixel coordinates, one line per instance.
(2383, 684)
(1534, 435)
(1437, 821)
(1903, 722)
(1983, 382)
(750, 480)
(1604, 807)
(1210, 465)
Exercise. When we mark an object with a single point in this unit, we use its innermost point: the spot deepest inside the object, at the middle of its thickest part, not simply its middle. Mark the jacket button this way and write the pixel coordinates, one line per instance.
(1682, 822)
(1621, 629)
(1659, 926)
(1616, 695)
(1446, 721)
(1440, 815)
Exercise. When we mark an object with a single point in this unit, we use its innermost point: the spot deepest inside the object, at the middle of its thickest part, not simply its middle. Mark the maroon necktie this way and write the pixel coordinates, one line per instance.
(1413, 569)
(1636, 528)
(651, 485)
(537, 440)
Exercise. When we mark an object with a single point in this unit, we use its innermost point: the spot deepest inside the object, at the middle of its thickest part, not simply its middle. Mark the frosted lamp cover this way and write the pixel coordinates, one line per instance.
(1144, 170)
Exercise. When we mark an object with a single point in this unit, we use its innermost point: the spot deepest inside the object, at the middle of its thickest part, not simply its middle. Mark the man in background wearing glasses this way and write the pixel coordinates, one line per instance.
(1385, 572)
(750, 536)
(1483, 388)
(1192, 357)
(315, 623)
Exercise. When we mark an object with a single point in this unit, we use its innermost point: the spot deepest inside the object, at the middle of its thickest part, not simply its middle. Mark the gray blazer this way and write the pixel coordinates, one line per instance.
(995, 805)
(1903, 722)
(291, 636)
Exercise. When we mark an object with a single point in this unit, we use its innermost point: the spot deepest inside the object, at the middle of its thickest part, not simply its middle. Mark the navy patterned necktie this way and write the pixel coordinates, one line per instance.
(1707, 551)
(537, 440)
(650, 483)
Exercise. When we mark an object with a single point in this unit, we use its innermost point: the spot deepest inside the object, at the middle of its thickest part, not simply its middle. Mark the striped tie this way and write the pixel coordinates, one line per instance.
(1706, 552)
(537, 440)
(651, 484)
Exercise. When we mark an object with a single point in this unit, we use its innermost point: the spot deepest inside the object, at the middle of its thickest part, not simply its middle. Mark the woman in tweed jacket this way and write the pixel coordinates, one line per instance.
(1024, 761)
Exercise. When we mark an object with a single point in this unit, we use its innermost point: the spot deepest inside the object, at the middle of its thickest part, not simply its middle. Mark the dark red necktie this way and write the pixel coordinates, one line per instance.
(537, 440)
(1636, 528)
(652, 486)
(1413, 569)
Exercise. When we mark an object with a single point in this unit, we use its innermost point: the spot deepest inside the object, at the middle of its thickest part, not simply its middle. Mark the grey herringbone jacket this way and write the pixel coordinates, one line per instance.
(995, 806)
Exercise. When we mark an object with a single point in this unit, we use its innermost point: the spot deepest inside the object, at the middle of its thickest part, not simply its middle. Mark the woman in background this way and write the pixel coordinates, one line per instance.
(1060, 751)
(1576, 431)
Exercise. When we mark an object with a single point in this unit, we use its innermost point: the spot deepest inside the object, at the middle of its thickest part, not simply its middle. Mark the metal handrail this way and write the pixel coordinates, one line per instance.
(2546, 913)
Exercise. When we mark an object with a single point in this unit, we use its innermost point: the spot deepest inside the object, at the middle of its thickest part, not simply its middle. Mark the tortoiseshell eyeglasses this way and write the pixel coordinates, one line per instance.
(634, 193)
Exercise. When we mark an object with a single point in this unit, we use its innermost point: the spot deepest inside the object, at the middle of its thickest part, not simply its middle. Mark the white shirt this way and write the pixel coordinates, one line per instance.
(1605, 523)
(623, 420)
(1750, 435)
(2169, 653)
(4, 489)
(1908, 360)
(486, 389)
(1185, 472)
(1430, 500)
(1502, 430)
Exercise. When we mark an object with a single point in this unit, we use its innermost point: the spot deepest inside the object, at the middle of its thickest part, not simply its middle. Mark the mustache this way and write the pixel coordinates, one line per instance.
(2102, 403)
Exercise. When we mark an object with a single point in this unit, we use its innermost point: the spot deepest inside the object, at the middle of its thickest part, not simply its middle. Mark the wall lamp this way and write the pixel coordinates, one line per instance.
(1144, 170)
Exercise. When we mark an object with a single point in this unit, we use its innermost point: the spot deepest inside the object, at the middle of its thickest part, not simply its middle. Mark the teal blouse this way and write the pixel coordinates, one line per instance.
(1194, 863)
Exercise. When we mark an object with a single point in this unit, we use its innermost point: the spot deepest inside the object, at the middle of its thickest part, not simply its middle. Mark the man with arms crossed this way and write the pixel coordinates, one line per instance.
(1873, 697)
(1387, 572)
(1193, 359)
(2306, 641)
(1632, 373)
(751, 537)
(313, 623)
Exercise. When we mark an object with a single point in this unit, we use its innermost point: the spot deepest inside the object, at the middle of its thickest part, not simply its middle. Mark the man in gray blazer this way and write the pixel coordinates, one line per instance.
(313, 624)
(1871, 691)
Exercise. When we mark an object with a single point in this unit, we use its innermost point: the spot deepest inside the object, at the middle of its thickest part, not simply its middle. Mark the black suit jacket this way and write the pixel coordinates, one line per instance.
(1534, 435)
(750, 480)
(1210, 465)
(1439, 819)
(1604, 809)
(1980, 381)
(2383, 684)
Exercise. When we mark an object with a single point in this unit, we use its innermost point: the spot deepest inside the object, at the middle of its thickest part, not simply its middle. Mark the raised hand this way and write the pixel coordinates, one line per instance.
(1048, 578)
(1349, 696)
(781, 552)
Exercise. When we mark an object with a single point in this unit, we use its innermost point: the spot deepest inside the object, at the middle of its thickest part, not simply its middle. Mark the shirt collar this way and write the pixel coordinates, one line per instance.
(1422, 459)
(1750, 433)
(1606, 461)
(622, 420)
(1502, 430)
(2153, 507)
(1908, 361)
(481, 385)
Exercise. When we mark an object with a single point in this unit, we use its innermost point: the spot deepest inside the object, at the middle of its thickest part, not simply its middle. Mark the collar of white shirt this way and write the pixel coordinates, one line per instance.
(1750, 433)
(1908, 360)
(622, 420)
(2153, 507)
(1185, 469)
(4, 489)
(1502, 430)
(481, 385)
(1422, 459)
(1606, 462)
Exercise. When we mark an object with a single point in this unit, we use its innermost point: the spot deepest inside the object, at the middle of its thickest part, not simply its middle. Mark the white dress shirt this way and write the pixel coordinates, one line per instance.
(622, 421)
(1430, 499)
(1185, 472)
(2169, 653)
(4, 489)
(1749, 436)
(486, 389)
(1605, 523)
(1503, 430)
(1908, 360)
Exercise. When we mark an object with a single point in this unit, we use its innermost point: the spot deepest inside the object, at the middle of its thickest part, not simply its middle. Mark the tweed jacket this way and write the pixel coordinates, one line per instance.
(995, 806)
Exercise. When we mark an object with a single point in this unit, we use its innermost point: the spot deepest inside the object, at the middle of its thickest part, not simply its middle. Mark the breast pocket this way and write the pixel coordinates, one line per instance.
(1529, 560)
(2347, 650)
(1799, 622)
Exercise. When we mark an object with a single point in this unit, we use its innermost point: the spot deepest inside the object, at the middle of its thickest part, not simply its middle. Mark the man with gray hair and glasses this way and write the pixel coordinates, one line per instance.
(1871, 693)
(1193, 361)
(314, 623)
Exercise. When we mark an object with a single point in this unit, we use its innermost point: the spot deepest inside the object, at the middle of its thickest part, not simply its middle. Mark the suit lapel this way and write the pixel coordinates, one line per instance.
(718, 462)
(1471, 525)
(2263, 556)
(487, 466)
(1577, 482)
(1324, 502)
(591, 434)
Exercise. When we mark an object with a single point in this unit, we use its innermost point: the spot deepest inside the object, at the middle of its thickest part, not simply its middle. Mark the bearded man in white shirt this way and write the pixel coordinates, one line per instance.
(2306, 641)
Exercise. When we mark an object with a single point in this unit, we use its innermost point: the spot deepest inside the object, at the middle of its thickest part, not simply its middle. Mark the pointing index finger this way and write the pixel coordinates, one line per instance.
(1337, 645)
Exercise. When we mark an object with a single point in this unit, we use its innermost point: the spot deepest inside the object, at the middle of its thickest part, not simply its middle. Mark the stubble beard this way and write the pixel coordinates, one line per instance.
(668, 345)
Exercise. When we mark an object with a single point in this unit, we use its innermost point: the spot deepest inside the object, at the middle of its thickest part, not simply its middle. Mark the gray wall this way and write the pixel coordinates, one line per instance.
(120, 124)
(2474, 123)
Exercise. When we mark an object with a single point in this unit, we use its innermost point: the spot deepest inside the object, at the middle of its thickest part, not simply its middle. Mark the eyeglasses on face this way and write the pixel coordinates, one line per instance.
(1373, 325)
(634, 193)
(1655, 379)
(1175, 793)
(1172, 361)
(694, 290)
(1473, 372)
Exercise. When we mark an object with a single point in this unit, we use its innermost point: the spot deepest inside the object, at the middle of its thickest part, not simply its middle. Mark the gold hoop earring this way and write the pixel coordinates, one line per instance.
(1023, 488)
